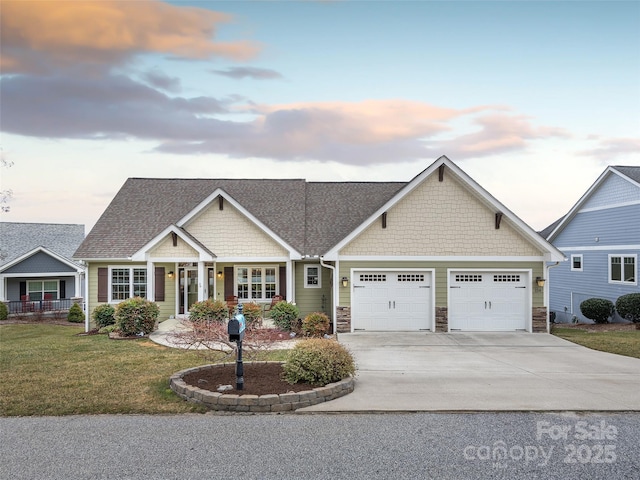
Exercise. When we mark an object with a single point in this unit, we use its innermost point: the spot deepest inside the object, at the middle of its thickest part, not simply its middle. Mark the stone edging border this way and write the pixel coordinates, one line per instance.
(256, 403)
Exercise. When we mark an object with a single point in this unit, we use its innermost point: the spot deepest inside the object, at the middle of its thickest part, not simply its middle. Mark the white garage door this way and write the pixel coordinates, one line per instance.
(391, 300)
(488, 301)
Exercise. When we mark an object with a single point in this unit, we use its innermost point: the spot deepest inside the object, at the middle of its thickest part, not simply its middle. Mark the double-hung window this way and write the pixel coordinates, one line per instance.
(38, 288)
(127, 282)
(576, 263)
(623, 269)
(256, 283)
(312, 277)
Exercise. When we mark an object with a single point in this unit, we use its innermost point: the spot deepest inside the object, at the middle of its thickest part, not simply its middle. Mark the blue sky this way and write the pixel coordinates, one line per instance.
(532, 99)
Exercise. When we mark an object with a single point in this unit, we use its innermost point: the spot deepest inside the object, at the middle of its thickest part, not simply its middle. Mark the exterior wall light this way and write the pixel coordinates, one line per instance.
(345, 282)
(540, 281)
(220, 274)
(170, 274)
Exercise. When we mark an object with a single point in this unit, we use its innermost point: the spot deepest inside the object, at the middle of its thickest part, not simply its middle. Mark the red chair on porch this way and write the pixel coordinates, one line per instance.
(47, 303)
(27, 306)
(232, 302)
(275, 299)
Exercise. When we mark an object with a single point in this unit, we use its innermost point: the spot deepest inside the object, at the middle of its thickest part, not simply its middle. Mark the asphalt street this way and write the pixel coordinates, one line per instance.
(332, 446)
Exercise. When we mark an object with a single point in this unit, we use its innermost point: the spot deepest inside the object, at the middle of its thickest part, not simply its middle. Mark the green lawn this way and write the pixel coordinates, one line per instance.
(51, 370)
(619, 342)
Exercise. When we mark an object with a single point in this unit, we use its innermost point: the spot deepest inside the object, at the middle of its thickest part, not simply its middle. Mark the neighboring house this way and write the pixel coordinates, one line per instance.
(601, 238)
(437, 253)
(37, 272)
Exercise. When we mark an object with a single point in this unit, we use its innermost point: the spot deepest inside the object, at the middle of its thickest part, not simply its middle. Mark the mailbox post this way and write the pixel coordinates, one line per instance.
(235, 329)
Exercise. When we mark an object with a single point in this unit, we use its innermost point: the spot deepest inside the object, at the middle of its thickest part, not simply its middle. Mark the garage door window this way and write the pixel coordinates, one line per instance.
(468, 278)
(373, 278)
(411, 278)
(506, 278)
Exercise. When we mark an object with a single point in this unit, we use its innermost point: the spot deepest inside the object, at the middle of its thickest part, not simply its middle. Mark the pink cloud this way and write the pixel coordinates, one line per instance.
(610, 148)
(64, 33)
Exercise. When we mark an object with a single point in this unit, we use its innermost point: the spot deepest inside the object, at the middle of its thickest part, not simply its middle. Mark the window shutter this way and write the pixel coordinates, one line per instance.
(23, 288)
(283, 282)
(228, 282)
(103, 284)
(159, 284)
(63, 288)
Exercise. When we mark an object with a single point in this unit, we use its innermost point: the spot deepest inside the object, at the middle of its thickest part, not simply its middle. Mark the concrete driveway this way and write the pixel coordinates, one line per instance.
(484, 372)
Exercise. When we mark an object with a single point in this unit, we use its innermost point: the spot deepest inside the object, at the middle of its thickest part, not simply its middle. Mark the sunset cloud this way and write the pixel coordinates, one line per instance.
(38, 36)
(609, 149)
(249, 72)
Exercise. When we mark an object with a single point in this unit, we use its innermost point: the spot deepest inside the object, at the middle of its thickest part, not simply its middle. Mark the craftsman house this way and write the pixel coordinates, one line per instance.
(601, 237)
(37, 273)
(437, 253)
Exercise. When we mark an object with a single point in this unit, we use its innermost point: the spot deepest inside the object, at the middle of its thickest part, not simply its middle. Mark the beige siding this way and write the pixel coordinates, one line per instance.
(440, 218)
(311, 300)
(228, 233)
(165, 249)
(441, 275)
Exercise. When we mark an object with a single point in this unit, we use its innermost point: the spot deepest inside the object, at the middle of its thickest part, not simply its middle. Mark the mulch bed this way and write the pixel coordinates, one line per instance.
(599, 327)
(259, 379)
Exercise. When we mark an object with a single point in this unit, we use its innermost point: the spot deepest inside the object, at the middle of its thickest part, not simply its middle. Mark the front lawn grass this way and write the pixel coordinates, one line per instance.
(619, 342)
(50, 370)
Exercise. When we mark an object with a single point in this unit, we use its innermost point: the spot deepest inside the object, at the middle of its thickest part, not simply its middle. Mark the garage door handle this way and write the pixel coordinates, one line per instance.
(389, 304)
(485, 305)
(489, 305)
(394, 304)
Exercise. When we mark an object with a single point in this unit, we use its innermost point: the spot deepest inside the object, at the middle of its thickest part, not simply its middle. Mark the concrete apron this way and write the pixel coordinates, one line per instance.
(484, 372)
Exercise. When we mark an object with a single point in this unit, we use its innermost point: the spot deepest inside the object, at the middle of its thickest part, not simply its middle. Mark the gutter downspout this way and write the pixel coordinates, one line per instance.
(546, 291)
(334, 286)
(86, 298)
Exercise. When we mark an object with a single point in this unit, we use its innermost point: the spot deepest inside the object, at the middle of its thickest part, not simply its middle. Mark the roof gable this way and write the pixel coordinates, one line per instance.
(40, 260)
(444, 166)
(18, 239)
(616, 186)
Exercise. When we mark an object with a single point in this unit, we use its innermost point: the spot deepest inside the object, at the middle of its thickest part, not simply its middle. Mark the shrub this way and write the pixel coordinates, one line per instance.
(108, 329)
(209, 311)
(315, 324)
(628, 307)
(103, 315)
(136, 316)
(284, 314)
(318, 362)
(4, 311)
(252, 313)
(597, 309)
(75, 315)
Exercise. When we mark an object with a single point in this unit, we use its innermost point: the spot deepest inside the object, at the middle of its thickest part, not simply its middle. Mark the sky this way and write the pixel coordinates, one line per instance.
(533, 100)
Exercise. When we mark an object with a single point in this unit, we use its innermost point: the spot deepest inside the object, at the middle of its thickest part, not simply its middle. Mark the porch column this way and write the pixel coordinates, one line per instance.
(3, 283)
(151, 281)
(290, 292)
(86, 299)
(77, 285)
(202, 282)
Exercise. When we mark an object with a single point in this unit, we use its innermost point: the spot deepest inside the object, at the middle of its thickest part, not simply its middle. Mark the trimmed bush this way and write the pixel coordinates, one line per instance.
(597, 309)
(315, 324)
(136, 316)
(108, 329)
(209, 311)
(318, 361)
(628, 307)
(284, 314)
(75, 315)
(252, 313)
(103, 315)
(4, 311)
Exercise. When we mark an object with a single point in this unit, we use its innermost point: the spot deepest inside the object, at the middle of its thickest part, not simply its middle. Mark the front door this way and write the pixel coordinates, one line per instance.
(188, 288)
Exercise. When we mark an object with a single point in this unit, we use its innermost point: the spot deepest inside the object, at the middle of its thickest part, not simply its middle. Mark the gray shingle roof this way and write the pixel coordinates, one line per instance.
(632, 172)
(311, 217)
(17, 239)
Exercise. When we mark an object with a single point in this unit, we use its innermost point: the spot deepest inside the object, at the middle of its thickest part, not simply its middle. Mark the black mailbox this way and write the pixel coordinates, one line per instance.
(234, 331)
